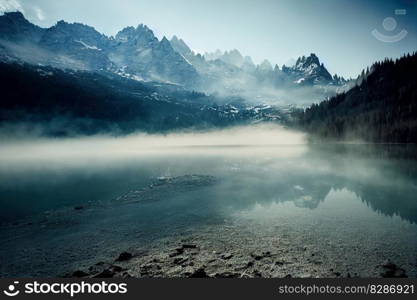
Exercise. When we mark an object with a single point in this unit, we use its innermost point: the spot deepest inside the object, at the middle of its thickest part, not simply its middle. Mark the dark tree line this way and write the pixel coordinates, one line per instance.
(382, 107)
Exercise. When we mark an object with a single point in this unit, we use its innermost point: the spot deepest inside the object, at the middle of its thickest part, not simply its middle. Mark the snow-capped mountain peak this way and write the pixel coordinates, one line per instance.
(309, 70)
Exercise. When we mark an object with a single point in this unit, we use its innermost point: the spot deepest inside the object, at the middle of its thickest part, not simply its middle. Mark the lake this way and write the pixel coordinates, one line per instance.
(66, 203)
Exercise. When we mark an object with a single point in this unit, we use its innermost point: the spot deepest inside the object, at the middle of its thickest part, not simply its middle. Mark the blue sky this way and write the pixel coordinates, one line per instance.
(338, 31)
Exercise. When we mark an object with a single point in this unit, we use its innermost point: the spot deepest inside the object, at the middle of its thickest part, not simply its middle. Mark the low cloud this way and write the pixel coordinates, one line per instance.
(10, 5)
(31, 11)
(39, 13)
(245, 141)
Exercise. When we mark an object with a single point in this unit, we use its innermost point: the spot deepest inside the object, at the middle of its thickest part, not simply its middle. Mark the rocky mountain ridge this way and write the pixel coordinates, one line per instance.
(137, 52)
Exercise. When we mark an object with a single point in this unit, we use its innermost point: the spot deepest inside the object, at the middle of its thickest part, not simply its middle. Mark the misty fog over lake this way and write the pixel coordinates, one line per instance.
(228, 139)
(92, 196)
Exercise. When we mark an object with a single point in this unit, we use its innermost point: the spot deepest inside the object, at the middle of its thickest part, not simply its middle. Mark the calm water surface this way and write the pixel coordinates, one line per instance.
(345, 193)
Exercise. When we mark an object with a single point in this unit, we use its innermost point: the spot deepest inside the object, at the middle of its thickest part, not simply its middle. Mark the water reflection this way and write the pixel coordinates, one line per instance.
(323, 189)
(383, 177)
(376, 175)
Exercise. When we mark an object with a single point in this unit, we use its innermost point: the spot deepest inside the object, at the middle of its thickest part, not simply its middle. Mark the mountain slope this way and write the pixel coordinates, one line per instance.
(143, 54)
(308, 70)
(79, 42)
(136, 53)
(231, 73)
(76, 102)
(14, 27)
(78, 46)
(382, 108)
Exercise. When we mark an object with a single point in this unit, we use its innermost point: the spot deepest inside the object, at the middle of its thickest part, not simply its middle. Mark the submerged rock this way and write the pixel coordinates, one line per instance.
(107, 273)
(180, 260)
(79, 274)
(168, 186)
(189, 246)
(227, 275)
(260, 255)
(180, 250)
(391, 270)
(124, 256)
(177, 251)
(199, 273)
(227, 256)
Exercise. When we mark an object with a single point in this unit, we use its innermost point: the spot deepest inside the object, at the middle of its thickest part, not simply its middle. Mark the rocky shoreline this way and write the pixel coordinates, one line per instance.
(108, 240)
(234, 255)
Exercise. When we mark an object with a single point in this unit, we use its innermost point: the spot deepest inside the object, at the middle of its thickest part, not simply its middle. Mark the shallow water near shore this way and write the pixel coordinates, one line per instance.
(325, 210)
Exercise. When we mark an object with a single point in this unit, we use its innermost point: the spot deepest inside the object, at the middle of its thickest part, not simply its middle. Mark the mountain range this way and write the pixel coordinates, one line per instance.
(135, 52)
(70, 79)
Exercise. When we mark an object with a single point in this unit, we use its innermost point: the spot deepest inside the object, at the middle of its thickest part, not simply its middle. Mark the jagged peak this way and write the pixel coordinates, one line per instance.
(164, 40)
(176, 39)
(311, 59)
(234, 52)
(265, 65)
(130, 30)
(232, 57)
(14, 15)
(14, 26)
(132, 33)
(126, 30)
(276, 68)
(165, 43)
(310, 67)
(143, 27)
(179, 41)
(248, 60)
(63, 24)
(180, 46)
(213, 55)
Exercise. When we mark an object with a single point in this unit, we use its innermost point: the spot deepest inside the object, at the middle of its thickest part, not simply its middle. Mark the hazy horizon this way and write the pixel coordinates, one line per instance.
(339, 32)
